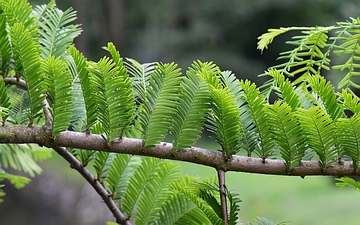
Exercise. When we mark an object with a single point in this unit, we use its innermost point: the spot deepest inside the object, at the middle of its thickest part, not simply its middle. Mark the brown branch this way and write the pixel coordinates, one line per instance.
(22, 83)
(44, 134)
(224, 212)
(120, 218)
(38, 135)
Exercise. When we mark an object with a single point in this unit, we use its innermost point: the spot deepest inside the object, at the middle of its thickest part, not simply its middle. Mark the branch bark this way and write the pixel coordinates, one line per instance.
(38, 135)
(120, 218)
(224, 211)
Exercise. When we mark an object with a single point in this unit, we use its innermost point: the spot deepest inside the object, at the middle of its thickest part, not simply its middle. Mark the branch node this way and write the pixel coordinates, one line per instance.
(17, 76)
(174, 153)
(112, 195)
(263, 159)
(357, 172)
(340, 161)
(323, 170)
(87, 130)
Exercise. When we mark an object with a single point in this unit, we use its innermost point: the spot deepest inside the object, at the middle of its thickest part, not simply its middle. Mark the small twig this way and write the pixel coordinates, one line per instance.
(75, 164)
(224, 213)
(14, 80)
(21, 83)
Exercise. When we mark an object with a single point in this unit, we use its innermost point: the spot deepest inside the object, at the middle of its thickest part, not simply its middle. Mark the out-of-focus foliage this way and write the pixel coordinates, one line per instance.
(185, 30)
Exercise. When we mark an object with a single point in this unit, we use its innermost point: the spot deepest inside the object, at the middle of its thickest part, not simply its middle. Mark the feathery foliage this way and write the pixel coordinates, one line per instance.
(192, 110)
(224, 121)
(286, 132)
(86, 86)
(5, 48)
(57, 34)
(189, 188)
(124, 90)
(256, 102)
(161, 103)
(149, 101)
(58, 83)
(22, 158)
(320, 133)
(27, 58)
(349, 37)
(325, 91)
(348, 135)
(140, 74)
(5, 104)
(347, 181)
(285, 89)
(109, 88)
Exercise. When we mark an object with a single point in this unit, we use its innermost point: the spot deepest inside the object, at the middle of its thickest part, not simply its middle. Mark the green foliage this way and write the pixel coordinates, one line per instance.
(5, 104)
(112, 95)
(58, 83)
(86, 86)
(140, 74)
(57, 34)
(224, 120)
(307, 57)
(286, 133)
(325, 91)
(320, 133)
(125, 97)
(161, 103)
(26, 50)
(266, 38)
(2, 193)
(152, 100)
(17, 181)
(22, 157)
(192, 111)
(150, 191)
(19, 106)
(348, 135)
(189, 188)
(347, 181)
(349, 46)
(285, 89)
(5, 48)
(256, 103)
(263, 221)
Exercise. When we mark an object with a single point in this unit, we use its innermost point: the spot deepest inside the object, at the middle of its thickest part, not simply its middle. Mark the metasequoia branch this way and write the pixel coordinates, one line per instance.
(39, 135)
(120, 217)
(75, 164)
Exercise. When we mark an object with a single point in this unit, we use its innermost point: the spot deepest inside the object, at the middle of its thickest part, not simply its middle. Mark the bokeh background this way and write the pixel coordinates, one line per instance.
(183, 31)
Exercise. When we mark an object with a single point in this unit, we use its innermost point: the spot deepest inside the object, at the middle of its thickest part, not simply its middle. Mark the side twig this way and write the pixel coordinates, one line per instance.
(120, 218)
(224, 211)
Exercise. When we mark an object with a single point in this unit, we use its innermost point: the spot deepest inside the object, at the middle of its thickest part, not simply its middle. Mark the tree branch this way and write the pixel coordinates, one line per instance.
(120, 218)
(38, 135)
(224, 211)
(22, 83)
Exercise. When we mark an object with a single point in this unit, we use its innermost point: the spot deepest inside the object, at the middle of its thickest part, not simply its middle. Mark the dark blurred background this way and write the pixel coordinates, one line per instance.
(181, 31)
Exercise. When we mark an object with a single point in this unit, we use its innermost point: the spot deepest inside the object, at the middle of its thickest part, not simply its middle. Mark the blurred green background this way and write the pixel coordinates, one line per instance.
(183, 31)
